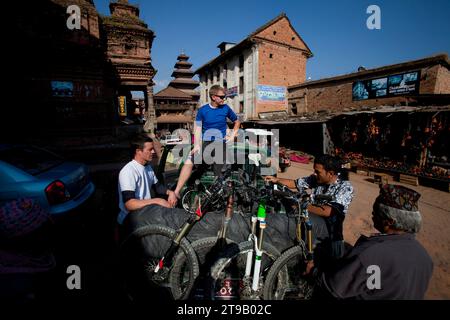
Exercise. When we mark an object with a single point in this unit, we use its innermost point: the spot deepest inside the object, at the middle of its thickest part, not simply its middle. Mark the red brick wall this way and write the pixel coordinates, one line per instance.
(334, 98)
(281, 31)
(428, 79)
(337, 96)
(443, 81)
(280, 64)
(286, 67)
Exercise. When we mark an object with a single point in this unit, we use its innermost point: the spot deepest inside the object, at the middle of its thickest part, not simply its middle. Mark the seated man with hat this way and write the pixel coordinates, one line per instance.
(389, 265)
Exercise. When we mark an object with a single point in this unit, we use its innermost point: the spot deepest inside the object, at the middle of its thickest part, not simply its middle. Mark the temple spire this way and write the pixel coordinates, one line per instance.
(183, 76)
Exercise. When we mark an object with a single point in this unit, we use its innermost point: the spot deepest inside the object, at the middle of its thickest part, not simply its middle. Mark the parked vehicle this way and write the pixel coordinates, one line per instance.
(170, 163)
(170, 139)
(58, 186)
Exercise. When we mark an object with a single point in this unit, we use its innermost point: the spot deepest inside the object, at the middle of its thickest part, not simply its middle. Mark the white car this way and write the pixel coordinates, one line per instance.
(170, 139)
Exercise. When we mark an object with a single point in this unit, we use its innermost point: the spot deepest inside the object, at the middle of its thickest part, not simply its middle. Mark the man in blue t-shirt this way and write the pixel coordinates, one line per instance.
(210, 128)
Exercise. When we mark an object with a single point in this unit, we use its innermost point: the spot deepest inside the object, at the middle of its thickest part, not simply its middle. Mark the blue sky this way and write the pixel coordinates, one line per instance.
(335, 31)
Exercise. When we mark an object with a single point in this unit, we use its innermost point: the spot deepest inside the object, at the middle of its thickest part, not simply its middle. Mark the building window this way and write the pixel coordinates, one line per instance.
(241, 85)
(206, 92)
(294, 108)
(225, 84)
(241, 106)
(241, 62)
(274, 33)
(293, 38)
(270, 55)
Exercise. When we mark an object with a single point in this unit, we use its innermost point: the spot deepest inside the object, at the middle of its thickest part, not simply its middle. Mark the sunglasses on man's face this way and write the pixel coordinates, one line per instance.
(221, 97)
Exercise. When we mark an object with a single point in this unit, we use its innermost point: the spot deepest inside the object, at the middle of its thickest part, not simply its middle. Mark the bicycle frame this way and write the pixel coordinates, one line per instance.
(303, 218)
(254, 257)
(228, 213)
(258, 241)
(193, 219)
(285, 277)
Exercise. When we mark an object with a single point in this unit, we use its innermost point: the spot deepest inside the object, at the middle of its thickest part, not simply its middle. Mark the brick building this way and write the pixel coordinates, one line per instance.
(76, 83)
(394, 119)
(412, 82)
(58, 73)
(257, 70)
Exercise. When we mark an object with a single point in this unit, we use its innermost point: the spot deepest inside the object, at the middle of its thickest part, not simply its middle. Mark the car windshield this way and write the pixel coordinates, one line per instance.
(30, 159)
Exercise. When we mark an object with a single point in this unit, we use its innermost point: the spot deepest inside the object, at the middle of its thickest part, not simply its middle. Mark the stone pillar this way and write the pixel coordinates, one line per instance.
(151, 114)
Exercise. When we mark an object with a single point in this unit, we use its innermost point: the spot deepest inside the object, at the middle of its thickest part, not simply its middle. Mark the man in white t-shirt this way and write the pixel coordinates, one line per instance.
(136, 180)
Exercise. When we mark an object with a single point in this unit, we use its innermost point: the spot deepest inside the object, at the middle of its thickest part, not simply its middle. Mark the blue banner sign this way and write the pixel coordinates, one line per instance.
(271, 94)
(393, 85)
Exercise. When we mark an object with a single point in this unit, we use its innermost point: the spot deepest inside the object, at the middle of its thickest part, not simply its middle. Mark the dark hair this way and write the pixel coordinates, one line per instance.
(332, 163)
(138, 143)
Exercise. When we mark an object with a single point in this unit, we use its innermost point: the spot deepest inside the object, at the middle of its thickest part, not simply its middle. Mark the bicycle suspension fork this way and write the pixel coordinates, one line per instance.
(252, 237)
(228, 212)
(258, 245)
(308, 225)
(185, 229)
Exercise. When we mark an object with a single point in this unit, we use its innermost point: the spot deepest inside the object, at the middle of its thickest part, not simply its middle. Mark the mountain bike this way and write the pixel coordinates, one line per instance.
(285, 279)
(240, 193)
(164, 246)
(239, 272)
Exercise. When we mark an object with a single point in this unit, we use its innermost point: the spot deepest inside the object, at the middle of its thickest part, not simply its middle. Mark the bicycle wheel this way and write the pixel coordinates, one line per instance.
(150, 245)
(285, 281)
(227, 280)
(208, 250)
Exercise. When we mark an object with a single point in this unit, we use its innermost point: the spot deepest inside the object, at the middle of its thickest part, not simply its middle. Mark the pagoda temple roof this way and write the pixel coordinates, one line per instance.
(183, 63)
(184, 81)
(192, 92)
(182, 73)
(183, 57)
(171, 92)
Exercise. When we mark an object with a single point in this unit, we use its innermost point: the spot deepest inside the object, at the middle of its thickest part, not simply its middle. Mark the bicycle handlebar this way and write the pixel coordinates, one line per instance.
(282, 194)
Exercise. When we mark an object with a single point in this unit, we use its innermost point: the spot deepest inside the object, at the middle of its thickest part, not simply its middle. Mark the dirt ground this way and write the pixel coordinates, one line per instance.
(434, 206)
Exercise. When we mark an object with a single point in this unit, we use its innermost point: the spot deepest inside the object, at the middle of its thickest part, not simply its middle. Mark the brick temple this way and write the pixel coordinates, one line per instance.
(76, 83)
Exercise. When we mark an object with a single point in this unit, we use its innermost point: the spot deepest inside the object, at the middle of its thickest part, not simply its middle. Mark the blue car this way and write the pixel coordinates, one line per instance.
(31, 172)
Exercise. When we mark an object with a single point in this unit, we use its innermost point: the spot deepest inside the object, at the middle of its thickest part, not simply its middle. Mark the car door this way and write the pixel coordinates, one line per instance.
(170, 164)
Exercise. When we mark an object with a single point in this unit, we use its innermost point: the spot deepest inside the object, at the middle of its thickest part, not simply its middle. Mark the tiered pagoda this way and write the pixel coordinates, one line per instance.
(183, 77)
(175, 104)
